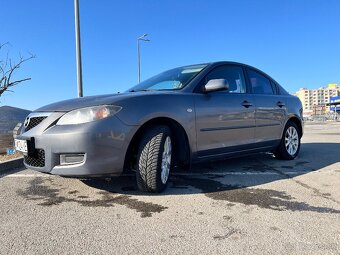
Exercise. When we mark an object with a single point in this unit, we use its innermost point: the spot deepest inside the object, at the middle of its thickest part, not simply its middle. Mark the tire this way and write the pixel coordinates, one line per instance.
(154, 160)
(290, 142)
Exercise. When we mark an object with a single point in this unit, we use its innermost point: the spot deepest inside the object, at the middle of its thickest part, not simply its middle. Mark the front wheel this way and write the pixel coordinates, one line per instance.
(290, 143)
(154, 160)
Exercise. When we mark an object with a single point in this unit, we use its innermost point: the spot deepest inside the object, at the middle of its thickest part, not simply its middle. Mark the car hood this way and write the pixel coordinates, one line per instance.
(72, 104)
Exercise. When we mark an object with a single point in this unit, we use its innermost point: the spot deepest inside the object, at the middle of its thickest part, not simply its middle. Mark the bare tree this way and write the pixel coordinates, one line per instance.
(7, 71)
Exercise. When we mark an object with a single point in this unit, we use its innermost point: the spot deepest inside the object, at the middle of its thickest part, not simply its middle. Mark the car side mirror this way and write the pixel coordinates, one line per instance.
(216, 85)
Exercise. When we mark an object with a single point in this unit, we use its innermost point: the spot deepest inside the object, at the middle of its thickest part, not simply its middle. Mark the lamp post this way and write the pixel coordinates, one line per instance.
(141, 38)
(78, 49)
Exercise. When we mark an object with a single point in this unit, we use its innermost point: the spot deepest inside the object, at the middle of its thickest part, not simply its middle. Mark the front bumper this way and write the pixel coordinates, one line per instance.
(103, 143)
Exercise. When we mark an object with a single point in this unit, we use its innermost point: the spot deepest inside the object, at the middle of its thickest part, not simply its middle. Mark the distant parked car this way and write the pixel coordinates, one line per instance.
(184, 115)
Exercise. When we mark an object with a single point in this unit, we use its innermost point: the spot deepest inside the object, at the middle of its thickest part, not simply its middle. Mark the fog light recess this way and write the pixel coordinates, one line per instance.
(71, 159)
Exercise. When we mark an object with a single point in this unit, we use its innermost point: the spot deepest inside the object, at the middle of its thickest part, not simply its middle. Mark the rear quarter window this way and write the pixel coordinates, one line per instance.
(259, 83)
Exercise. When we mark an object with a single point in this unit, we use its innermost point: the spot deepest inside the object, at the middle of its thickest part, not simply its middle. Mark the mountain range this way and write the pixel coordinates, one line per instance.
(10, 116)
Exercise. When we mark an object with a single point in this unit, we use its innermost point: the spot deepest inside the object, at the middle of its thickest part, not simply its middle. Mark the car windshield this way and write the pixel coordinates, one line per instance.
(173, 79)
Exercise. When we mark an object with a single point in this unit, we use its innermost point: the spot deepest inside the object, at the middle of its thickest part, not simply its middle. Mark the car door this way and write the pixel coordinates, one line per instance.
(225, 120)
(270, 109)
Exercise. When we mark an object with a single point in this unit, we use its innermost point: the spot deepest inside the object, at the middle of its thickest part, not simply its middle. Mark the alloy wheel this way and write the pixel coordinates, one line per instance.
(291, 140)
(166, 160)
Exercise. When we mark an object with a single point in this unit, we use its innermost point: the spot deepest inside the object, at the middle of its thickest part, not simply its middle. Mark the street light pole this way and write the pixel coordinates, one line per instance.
(138, 47)
(78, 48)
(141, 38)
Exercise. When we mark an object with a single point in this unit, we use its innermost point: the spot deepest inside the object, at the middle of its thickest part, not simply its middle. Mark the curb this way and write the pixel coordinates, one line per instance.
(11, 164)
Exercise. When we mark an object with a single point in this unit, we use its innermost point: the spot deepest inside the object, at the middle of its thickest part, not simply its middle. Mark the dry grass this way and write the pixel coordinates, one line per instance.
(8, 157)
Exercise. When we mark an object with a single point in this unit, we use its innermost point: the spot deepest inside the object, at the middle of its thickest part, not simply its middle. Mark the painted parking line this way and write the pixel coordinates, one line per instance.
(30, 175)
(239, 173)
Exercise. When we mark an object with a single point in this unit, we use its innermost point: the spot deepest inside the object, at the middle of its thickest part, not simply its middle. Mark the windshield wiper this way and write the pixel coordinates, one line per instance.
(138, 90)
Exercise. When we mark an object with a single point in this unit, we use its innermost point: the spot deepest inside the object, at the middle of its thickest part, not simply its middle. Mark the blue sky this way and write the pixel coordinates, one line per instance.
(297, 42)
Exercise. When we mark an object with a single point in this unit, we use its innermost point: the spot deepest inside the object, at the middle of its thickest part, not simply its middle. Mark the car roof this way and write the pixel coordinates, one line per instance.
(217, 63)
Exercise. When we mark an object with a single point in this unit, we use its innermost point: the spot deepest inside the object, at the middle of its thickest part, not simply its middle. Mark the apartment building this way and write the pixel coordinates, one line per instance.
(313, 99)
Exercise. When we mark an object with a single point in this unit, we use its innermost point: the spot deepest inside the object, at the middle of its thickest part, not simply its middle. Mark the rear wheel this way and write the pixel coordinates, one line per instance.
(154, 160)
(290, 143)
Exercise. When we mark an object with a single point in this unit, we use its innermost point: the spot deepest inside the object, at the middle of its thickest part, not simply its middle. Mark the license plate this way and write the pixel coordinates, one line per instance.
(20, 145)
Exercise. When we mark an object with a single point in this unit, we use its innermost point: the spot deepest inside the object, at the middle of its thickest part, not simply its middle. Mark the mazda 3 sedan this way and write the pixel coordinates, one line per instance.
(179, 117)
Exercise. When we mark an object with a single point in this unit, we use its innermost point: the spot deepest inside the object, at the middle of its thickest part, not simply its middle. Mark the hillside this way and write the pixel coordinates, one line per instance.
(10, 116)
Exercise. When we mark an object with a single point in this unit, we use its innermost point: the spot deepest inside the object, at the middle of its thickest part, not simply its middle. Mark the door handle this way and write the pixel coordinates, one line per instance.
(280, 104)
(246, 104)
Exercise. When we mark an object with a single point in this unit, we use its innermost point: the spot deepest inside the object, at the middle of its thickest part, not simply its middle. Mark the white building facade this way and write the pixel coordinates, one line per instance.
(313, 99)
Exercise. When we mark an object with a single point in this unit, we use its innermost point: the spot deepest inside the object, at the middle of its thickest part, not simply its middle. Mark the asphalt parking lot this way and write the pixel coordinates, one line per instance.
(249, 205)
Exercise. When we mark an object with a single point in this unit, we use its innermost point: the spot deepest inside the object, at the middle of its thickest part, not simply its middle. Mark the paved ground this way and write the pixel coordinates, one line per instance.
(251, 205)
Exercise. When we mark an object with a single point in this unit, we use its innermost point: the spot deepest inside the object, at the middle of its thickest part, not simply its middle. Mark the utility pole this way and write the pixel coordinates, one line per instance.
(141, 38)
(78, 49)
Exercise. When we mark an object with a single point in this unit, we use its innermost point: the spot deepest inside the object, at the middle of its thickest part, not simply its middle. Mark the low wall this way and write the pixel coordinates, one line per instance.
(11, 165)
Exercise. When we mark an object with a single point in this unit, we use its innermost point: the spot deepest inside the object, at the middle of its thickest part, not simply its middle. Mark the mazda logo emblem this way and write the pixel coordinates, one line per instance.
(27, 122)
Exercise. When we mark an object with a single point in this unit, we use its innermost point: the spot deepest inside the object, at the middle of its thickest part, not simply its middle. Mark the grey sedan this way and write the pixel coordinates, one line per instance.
(179, 117)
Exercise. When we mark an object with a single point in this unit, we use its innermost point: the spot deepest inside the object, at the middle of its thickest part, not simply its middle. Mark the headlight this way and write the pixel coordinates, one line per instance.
(88, 114)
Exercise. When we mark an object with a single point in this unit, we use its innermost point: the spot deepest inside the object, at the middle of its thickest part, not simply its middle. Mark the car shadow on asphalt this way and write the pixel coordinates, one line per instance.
(233, 173)
(236, 180)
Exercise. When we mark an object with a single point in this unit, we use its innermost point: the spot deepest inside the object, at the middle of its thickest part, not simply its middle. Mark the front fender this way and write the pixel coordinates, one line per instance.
(179, 107)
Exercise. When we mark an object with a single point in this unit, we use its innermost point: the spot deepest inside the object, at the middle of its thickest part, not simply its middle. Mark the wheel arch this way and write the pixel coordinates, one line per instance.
(182, 148)
(297, 121)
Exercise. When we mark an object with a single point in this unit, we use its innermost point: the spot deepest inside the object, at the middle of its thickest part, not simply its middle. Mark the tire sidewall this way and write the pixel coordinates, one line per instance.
(144, 183)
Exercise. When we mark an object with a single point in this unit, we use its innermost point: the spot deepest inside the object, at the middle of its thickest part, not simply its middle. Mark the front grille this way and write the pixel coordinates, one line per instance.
(34, 121)
(37, 159)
